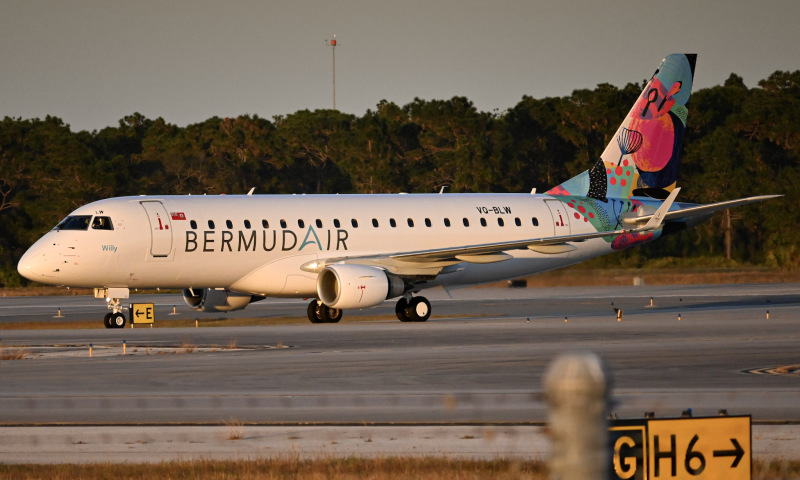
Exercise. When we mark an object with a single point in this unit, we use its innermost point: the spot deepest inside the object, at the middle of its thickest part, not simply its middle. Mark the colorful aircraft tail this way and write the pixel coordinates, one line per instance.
(642, 158)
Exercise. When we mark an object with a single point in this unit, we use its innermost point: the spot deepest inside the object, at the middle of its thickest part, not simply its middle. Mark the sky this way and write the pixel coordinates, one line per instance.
(92, 62)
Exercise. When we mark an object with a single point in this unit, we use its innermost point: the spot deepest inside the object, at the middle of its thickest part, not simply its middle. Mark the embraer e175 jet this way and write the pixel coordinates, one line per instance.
(356, 251)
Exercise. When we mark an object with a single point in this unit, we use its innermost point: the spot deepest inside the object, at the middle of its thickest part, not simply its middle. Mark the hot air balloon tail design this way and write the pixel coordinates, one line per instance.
(629, 141)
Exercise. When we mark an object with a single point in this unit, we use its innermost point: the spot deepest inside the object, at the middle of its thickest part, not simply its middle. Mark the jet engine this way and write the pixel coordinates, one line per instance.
(214, 300)
(357, 286)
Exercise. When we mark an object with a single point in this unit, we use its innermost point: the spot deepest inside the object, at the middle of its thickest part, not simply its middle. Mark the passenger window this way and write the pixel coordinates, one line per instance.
(410, 222)
(77, 222)
(229, 224)
(301, 224)
(427, 222)
(211, 224)
(283, 223)
(535, 221)
(500, 222)
(264, 223)
(247, 224)
(336, 223)
(102, 223)
(354, 223)
(466, 222)
(375, 222)
(483, 222)
(193, 224)
(446, 222)
(319, 223)
(518, 222)
(392, 223)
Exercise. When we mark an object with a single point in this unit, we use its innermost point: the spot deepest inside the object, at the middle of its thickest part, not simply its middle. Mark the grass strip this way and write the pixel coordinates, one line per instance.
(352, 468)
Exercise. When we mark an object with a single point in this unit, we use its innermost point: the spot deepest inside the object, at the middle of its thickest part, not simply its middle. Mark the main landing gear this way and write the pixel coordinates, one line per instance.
(416, 309)
(321, 313)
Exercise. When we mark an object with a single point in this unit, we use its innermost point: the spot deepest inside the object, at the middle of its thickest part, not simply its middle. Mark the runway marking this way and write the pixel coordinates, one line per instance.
(77, 351)
(779, 370)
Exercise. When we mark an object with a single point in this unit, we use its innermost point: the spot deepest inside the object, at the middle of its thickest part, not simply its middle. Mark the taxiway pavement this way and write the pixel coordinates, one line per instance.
(478, 361)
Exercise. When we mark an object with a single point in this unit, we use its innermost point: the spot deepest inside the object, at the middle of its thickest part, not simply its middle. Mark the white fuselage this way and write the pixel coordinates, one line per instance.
(258, 244)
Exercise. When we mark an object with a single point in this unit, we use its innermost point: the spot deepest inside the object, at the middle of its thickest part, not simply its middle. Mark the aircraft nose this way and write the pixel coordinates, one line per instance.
(34, 264)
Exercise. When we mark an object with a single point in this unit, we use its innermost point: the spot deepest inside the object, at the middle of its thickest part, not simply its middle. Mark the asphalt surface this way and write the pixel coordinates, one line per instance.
(478, 362)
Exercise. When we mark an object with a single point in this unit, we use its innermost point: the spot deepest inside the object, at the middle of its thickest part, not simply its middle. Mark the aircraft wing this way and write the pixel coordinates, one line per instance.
(431, 261)
(473, 252)
(652, 222)
(493, 252)
(411, 263)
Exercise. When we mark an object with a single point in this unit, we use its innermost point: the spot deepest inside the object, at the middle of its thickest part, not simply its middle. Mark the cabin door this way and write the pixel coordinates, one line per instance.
(160, 229)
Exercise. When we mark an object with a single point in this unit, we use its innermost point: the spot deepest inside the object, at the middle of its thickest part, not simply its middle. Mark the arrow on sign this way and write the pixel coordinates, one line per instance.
(737, 452)
(139, 313)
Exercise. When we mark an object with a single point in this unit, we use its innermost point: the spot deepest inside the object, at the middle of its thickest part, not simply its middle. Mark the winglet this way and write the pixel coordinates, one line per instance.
(658, 218)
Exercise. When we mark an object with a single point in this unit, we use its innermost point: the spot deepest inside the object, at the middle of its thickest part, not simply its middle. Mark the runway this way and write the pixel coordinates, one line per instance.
(478, 302)
(478, 361)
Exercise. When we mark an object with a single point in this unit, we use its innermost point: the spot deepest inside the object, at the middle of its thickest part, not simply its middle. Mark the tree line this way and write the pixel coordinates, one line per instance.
(740, 141)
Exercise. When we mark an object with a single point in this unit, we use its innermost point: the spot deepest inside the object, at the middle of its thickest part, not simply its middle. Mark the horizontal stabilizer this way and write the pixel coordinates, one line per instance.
(658, 218)
(700, 210)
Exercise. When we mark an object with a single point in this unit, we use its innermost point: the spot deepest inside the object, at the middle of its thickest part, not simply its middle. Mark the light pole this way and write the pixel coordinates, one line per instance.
(332, 44)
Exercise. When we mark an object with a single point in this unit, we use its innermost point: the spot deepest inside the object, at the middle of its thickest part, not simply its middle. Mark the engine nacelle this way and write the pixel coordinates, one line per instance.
(357, 286)
(213, 300)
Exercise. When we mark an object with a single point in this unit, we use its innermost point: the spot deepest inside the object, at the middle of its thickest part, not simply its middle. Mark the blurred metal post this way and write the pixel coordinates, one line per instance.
(577, 395)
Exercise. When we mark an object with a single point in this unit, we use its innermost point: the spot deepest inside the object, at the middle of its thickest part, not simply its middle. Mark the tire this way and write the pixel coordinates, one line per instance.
(314, 311)
(117, 320)
(107, 320)
(419, 309)
(400, 310)
(330, 315)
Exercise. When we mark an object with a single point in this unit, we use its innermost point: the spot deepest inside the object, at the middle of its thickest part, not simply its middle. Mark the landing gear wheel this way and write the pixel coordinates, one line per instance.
(330, 315)
(314, 312)
(107, 320)
(117, 320)
(321, 313)
(400, 310)
(418, 310)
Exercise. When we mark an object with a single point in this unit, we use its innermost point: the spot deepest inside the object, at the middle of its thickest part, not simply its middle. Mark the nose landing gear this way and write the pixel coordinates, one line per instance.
(114, 320)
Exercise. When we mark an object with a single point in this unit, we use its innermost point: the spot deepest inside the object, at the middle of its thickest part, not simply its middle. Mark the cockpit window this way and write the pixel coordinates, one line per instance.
(102, 223)
(75, 222)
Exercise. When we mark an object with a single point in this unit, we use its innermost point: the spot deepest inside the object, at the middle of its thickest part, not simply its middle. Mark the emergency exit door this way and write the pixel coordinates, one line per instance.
(560, 217)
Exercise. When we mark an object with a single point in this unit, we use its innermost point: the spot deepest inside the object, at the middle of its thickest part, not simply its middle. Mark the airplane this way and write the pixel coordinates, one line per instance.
(357, 251)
